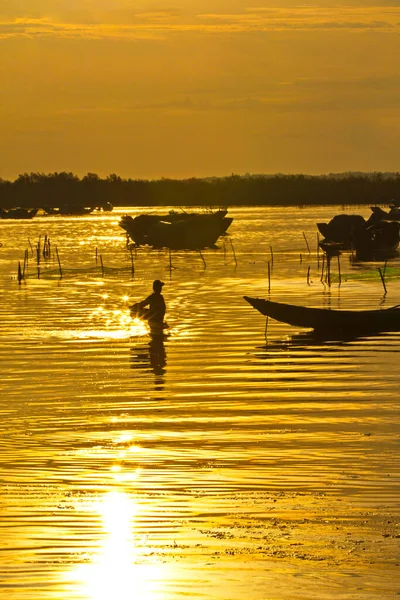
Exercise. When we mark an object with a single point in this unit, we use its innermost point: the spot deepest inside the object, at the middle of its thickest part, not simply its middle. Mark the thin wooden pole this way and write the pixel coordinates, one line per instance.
(340, 273)
(102, 266)
(25, 263)
(233, 250)
(20, 277)
(328, 270)
(170, 261)
(308, 247)
(323, 267)
(132, 263)
(269, 277)
(266, 329)
(308, 275)
(59, 263)
(202, 258)
(382, 279)
(272, 255)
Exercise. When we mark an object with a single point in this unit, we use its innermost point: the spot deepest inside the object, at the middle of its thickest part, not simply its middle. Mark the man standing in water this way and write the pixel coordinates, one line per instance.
(156, 303)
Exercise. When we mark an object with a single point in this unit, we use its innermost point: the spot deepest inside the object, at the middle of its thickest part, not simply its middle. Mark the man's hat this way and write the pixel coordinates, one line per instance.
(158, 283)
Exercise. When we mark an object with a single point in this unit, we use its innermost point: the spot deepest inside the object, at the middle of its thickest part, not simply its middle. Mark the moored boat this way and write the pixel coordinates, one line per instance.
(323, 320)
(18, 213)
(374, 239)
(176, 231)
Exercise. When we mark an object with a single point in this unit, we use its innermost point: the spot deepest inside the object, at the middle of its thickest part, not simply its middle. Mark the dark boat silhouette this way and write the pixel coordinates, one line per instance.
(322, 320)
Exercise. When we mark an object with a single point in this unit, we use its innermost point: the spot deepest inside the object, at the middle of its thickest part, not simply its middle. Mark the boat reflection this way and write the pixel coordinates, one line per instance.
(327, 343)
(151, 357)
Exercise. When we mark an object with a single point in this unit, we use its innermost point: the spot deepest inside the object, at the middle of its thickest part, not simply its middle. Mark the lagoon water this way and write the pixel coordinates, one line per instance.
(227, 460)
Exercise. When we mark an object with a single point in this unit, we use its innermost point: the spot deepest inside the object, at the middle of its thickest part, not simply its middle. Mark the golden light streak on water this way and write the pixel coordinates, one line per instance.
(118, 569)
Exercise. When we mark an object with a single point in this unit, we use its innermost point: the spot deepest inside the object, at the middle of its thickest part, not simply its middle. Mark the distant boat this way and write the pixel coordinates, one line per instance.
(68, 209)
(323, 320)
(175, 230)
(375, 239)
(18, 213)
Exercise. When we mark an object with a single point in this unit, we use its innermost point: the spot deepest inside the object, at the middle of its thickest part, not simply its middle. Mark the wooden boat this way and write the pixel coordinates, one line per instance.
(323, 320)
(18, 213)
(375, 239)
(191, 231)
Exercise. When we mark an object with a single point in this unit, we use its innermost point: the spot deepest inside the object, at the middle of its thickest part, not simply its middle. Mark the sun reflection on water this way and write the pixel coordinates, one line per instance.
(121, 568)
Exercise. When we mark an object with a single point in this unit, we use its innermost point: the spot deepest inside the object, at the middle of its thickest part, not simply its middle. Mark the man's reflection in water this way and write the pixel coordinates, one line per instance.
(152, 357)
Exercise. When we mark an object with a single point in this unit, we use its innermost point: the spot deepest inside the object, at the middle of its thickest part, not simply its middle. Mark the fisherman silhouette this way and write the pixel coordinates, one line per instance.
(154, 315)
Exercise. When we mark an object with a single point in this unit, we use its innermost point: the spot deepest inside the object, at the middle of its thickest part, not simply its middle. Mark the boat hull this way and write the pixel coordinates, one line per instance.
(194, 231)
(327, 320)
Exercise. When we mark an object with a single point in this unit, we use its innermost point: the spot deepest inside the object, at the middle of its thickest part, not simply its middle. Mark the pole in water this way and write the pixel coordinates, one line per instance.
(269, 277)
(266, 329)
(323, 268)
(308, 275)
(102, 266)
(25, 263)
(340, 273)
(19, 273)
(382, 279)
(59, 263)
(233, 250)
(132, 263)
(272, 255)
(308, 247)
(202, 258)
(328, 270)
(170, 261)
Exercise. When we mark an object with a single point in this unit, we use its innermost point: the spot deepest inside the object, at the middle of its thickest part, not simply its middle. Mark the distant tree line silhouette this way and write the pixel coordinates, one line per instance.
(36, 190)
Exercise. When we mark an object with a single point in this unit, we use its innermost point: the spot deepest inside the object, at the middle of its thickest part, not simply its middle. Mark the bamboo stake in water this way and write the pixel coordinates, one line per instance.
(323, 268)
(272, 255)
(170, 261)
(59, 263)
(102, 266)
(233, 250)
(31, 247)
(202, 258)
(132, 263)
(19, 273)
(340, 273)
(25, 263)
(382, 279)
(97, 252)
(328, 270)
(269, 277)
(308, 247)
(317, 250)
(308, 275)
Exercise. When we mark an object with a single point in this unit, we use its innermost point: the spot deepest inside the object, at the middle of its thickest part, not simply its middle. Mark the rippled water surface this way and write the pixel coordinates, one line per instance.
(224, 461)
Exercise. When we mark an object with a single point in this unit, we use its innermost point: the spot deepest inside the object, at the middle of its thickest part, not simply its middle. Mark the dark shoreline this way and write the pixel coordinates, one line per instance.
(37, 190)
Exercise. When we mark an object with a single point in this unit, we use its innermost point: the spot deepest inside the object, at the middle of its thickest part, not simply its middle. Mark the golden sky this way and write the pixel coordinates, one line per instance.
(182, 88)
